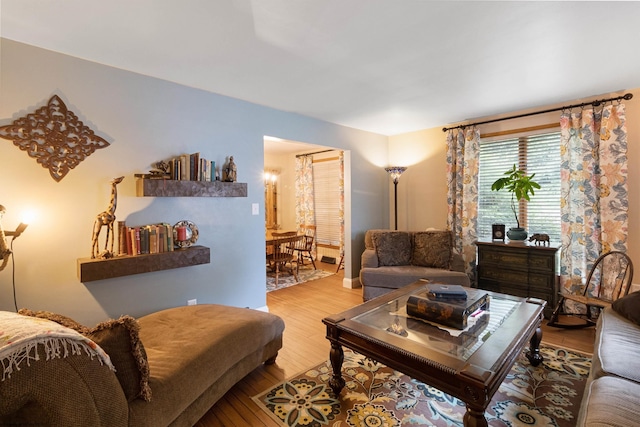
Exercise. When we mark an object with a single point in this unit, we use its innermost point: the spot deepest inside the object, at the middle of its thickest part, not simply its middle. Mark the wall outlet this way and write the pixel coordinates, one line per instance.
(192, 302)
(255, 209)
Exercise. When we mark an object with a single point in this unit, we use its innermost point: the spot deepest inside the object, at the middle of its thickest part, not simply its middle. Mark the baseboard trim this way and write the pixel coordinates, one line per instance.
(351, 283)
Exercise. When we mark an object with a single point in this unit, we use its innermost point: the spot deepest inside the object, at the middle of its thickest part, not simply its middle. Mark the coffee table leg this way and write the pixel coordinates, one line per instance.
(474, 417)
(534, 356)
(337, 357)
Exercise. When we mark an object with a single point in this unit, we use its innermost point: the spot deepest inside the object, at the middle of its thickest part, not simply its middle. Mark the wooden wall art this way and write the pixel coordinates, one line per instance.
(53, 136)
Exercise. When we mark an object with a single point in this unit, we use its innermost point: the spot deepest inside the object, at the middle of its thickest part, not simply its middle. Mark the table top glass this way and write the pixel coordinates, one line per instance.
(392, 318)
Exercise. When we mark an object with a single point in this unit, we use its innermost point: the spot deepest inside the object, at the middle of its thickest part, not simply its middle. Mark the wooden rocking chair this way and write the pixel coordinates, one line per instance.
(609, 279)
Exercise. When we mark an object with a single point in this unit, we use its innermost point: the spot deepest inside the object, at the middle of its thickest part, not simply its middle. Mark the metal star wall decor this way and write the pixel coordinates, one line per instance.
(53, 136)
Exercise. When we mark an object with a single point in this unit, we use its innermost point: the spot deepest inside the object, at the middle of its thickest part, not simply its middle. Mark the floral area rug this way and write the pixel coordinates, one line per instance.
(305, 274)
(376, 396)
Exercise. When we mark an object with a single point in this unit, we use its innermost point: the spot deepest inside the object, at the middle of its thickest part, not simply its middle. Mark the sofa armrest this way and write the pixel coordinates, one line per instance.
(369, 259)
(75, 390)
(457, 262)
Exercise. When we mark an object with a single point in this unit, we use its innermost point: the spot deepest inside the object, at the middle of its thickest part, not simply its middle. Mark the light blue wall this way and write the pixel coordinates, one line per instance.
(145, 120)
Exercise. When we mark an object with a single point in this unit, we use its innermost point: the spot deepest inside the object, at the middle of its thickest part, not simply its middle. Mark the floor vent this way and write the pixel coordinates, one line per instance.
(328, 259)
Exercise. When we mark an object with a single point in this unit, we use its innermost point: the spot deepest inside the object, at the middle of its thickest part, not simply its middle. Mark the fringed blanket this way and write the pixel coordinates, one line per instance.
(21, 335)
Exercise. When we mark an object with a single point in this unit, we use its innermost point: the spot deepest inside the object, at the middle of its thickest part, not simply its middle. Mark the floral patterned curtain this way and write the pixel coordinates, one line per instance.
(463, 147)
(305, 207)
(594, 203)
(341, 206)
(305, 202)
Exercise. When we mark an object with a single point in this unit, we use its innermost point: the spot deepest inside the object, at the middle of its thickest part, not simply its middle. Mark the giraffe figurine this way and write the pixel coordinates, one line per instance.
(107, 218)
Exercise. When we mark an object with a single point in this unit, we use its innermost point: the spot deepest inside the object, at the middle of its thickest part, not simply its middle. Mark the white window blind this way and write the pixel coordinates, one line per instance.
(326, 180)
(539, 154)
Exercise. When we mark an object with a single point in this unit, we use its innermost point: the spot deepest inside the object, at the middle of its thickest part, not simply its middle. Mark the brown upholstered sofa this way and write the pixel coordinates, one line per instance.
(393, 259)
(612, 394)
(170, 367)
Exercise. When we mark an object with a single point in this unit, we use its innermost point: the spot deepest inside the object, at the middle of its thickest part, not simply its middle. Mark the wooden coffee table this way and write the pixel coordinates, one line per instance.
(470, 366)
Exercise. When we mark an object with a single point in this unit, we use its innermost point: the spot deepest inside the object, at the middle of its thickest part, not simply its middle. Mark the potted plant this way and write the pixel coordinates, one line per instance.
(521, 186)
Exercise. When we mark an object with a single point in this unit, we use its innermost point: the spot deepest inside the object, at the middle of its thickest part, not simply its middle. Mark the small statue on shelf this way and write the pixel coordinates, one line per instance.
(231, 171)
(540, 238)
(162, 170)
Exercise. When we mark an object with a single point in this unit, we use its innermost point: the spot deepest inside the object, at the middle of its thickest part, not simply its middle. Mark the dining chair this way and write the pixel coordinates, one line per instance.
(304, 248)
(282, 254)
(277, 235)
(609, 279)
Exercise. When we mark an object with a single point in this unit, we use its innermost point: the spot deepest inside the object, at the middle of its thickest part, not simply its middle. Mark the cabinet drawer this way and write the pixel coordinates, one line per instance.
(508, 259)
(544, 263)
(508, 276)
(541, 281)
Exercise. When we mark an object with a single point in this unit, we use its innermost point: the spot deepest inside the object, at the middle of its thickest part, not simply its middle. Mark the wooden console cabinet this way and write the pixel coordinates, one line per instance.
(519, 269)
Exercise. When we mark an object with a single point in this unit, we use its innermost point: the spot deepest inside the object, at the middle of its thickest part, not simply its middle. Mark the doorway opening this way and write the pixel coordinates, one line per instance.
(281, 157)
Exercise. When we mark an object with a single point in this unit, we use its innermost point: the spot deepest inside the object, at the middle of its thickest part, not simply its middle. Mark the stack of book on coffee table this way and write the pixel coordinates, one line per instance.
(447, 305)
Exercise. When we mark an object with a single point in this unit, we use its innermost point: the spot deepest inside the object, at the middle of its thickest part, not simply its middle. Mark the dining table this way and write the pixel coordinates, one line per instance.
(273, 234)
(277, 263)
(270, 239)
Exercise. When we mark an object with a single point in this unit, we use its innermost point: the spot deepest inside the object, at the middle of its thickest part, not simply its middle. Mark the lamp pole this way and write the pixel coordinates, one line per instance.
(395, 201)
(395, 172)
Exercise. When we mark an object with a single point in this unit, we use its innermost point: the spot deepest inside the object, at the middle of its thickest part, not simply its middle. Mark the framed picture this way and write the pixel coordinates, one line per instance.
(497, 232)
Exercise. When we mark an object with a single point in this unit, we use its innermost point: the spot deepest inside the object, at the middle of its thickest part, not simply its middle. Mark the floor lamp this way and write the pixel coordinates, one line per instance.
(395, 172)
(5, 251)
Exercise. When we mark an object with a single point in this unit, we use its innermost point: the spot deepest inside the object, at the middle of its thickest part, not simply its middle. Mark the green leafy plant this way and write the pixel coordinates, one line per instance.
(519, 184)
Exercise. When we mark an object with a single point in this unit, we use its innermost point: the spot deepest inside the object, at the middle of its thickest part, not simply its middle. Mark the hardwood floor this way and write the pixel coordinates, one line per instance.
(303, 307)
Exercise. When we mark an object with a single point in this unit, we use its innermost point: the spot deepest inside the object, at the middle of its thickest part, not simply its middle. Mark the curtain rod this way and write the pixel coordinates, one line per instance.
(317, 152)
(595, 103)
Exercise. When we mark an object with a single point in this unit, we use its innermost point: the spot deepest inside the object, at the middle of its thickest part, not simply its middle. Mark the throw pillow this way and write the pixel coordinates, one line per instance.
(392, 247)
(629, 307)
(433, 249)
(119, 339)
(55, 317)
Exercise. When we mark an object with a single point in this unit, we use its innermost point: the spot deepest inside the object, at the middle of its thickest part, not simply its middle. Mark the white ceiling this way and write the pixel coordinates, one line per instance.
(386, 66)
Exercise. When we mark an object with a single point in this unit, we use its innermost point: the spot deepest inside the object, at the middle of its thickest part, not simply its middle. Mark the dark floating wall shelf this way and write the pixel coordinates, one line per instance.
(99, 269)
(173, 188)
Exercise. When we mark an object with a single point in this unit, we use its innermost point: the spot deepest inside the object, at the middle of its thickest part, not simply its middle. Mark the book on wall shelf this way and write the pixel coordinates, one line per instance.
(192, 167)
(185, 167)
(145, 239)
(447, 312)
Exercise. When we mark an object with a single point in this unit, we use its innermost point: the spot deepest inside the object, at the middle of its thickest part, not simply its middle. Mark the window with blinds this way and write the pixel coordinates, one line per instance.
(326, 189)
(539, 154)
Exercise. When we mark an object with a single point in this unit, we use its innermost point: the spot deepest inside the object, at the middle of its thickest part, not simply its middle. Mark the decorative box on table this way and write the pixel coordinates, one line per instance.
(447, 312)
(463, 338)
